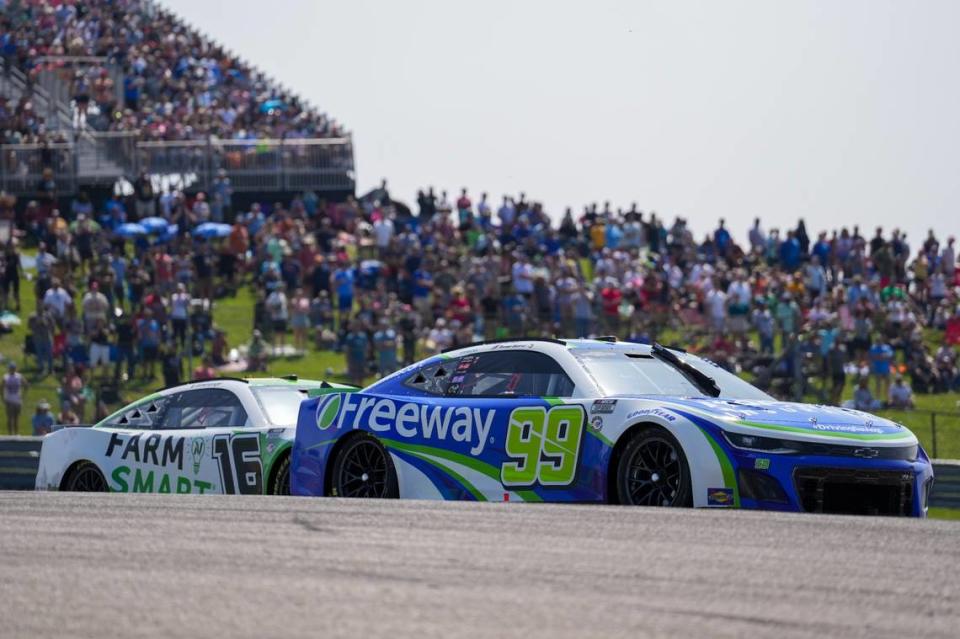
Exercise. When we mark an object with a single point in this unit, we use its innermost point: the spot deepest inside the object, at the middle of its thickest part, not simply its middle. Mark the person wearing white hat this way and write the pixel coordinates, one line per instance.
(42, 420)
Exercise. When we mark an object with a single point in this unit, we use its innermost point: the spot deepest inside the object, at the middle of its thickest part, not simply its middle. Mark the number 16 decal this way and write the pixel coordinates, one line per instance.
(238, 458)
(544, 445)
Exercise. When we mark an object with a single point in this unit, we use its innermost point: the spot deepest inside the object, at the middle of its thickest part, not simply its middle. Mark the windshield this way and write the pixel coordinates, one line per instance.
(281, 404)
(731, 386)
(619, 373)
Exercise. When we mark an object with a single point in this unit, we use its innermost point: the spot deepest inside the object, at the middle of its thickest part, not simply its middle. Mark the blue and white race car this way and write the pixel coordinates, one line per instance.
(601, 421)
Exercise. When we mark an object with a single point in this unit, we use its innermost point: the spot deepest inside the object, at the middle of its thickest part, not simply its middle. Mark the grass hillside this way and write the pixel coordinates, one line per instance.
(234, 315)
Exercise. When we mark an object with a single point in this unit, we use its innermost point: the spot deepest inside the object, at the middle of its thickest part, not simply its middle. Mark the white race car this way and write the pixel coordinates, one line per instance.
(218, 436)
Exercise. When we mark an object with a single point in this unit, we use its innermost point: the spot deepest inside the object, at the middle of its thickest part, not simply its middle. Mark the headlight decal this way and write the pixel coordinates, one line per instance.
(830, 432)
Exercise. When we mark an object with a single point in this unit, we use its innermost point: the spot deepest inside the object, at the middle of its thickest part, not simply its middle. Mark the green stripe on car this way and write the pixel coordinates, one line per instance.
(729, 479)
(464, 460)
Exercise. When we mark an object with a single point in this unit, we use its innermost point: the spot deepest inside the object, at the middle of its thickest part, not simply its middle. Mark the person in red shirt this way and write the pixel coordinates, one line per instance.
(463, 202)
(611, 296)
(204, 371)
(163, 271)
(952, 333)
(459, 306)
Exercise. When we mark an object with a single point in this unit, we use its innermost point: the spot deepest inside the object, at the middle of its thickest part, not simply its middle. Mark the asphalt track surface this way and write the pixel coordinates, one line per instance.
(83, 565)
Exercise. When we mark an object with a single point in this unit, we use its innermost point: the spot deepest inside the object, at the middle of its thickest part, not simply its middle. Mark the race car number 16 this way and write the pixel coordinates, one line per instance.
(545, 446)
(238, 459)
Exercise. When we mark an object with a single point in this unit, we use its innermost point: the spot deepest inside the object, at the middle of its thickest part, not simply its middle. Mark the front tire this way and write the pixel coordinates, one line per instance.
(86, 478)
(363, 468)
(653, 471)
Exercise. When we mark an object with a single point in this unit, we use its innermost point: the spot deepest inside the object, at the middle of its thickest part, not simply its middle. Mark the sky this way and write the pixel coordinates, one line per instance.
(841, 113)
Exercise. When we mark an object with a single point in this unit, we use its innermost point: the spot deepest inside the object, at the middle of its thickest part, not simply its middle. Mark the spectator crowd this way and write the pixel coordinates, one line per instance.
(801, 314)
(131, 66)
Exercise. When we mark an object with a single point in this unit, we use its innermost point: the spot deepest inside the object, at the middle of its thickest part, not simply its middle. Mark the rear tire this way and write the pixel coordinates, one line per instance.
(86, 478)
(281, 477)
(363, 468)
(653, 471)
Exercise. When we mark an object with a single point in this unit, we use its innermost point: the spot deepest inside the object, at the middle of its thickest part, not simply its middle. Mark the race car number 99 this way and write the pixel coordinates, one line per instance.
(545, 445)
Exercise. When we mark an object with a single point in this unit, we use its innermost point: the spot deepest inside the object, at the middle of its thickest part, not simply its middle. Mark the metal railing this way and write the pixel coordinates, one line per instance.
(322, 164)
(946, 484)
(19, 459)
(254, 165)
(938, 431)
(45, 93)
(22, 166)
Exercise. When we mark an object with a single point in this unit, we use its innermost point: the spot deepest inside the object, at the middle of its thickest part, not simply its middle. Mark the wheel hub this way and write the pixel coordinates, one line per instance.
(363, 471)
(654, 475)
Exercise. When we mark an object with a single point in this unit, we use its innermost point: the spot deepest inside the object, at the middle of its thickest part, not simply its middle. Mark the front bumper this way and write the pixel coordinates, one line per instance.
(832, 484)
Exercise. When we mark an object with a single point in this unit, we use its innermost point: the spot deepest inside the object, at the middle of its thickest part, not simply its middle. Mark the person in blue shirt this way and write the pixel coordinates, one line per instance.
(385, 343)
(255, 219)
(790, 252)
(614, 235)
(862, 399)
(148, 330)
(131, 91)
(115, 214)
(822, 249)
(343, 280)
(42, 420)
(522, 230)
(881, 362)
(721, 238)
(8, 49)
(422, 287)
(551, 243)
(119, 265)
(356, 344)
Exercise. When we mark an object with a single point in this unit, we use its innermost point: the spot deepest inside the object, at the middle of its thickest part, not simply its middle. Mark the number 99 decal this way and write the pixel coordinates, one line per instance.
(544, 444)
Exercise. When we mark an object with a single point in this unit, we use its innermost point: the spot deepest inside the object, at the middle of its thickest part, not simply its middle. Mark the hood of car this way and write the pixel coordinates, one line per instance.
(792, 420)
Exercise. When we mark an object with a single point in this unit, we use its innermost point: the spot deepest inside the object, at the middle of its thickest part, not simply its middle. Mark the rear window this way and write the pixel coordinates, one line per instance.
(281, 404)
(495, 374)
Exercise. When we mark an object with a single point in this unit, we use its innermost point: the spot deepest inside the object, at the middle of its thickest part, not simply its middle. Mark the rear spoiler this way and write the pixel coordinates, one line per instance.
(326, 388)
(57, 427)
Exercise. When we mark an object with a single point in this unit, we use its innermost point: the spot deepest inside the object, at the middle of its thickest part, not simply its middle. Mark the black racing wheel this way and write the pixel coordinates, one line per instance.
(363, 468)
(653, 471)
(86, 478)
(281, 477)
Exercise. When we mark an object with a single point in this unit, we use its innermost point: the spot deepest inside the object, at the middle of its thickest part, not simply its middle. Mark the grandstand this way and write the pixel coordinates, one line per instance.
(102, 91)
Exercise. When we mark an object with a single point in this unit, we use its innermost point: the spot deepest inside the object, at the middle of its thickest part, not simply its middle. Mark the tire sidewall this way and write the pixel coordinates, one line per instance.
(392, 488)
(81, 468)
(282, 470)
(684, 497)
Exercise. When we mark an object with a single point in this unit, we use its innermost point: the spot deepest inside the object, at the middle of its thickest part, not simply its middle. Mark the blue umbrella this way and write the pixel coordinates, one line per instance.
(154, 224)
(169, 233)
(270, 105)
(130, 230)
(212, 229)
